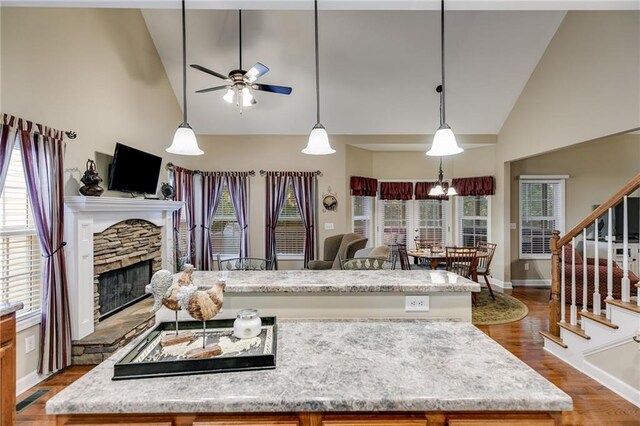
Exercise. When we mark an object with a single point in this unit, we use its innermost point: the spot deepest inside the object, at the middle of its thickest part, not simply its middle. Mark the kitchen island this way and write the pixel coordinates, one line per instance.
(335, 372)
(341, 294)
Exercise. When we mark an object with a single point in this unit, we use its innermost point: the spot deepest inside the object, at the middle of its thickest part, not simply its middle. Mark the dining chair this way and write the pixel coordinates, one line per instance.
(363, 263)
(244, 264)
(460, 260)
(404, 259)
(485, 262)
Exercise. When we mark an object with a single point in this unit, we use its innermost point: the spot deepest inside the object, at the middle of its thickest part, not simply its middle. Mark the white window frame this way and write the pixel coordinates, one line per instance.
(231, 217)
(460, 216)
(548, 179)
(289, 256)
(30, 318)
(371, 217)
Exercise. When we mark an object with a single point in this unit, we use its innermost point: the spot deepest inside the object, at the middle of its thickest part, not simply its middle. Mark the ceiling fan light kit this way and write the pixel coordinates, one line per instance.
(318, 143)
(184, 140)
(444, 141)
(239, 82)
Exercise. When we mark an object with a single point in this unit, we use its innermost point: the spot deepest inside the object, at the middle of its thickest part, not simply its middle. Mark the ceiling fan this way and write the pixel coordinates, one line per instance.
(239, 81)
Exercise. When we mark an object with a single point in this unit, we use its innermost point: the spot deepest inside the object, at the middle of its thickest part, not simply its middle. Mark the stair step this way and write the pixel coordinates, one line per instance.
(626, 305)
(601, 319)
(555, 339)
(574, 329)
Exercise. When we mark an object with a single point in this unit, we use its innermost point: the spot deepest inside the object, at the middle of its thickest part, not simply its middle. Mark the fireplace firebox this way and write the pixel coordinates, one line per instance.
(122, 287)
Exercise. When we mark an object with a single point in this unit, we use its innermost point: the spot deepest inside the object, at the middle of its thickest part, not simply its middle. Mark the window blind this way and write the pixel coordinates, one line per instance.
(362, 216)
(473, 220)
(432, 221)
(394, 222)
(541, 211)
(290, 229)
(225, 231)
(20, 253)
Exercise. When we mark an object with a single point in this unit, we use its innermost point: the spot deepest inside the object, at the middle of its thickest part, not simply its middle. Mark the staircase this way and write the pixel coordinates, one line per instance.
(593, 338)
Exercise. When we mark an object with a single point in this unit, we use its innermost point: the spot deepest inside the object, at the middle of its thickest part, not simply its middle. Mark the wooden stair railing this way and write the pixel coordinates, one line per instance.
(557, 243)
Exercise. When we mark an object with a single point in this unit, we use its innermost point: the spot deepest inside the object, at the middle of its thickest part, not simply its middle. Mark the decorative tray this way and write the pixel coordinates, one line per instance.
(150, 359)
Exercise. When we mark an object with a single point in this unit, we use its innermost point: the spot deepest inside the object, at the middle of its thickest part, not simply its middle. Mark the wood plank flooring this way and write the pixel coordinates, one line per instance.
(593, 403)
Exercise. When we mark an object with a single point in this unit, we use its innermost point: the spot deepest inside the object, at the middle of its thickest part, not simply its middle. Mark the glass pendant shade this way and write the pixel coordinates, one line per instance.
(436, 191)
(444, 143)
(451, 191)
(318, 142)
(228, 97)
(184, 142)
(247, 98)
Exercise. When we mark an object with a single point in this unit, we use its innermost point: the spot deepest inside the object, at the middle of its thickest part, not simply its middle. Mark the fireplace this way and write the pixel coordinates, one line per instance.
(122, 287)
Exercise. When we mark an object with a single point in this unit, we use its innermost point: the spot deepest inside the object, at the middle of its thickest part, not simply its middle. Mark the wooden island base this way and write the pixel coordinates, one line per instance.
(321, 419)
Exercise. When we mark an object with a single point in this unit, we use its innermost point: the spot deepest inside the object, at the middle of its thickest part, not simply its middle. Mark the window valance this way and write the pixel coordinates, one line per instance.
(396, 190)
(364, 186)
(483, 185)
(422, 191)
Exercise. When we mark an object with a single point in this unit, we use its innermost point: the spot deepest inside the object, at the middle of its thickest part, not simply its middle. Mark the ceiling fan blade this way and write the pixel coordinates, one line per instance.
(208, 71)
(211, 89)
(255, 72)
(282, 90)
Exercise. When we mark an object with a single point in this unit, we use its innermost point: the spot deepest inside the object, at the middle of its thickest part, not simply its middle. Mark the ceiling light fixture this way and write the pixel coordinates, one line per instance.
(318, 139)
(442, 187)
(184, 140)
(444, 141)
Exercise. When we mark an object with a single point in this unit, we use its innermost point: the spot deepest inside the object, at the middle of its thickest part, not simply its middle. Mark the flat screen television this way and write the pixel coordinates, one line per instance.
(633, 214)
(133, 170)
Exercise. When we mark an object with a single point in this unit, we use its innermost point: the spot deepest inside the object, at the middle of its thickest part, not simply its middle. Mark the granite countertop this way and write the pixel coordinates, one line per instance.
(338, 281)
(9, 308)
(338, 365)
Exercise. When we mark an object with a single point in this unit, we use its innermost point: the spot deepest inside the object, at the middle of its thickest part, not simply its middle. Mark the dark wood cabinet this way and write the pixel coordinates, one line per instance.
(8, 370)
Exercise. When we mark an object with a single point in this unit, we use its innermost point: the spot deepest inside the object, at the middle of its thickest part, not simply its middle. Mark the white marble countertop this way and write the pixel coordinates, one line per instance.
(9, 308)
(338, 365)
(338, 281)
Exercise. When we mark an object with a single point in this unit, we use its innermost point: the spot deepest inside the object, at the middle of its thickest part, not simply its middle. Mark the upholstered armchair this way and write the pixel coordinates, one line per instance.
(338, 246)
(592, 270)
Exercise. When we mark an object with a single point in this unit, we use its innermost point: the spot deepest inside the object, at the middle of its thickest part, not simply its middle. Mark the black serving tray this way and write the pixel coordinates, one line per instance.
(130, 368)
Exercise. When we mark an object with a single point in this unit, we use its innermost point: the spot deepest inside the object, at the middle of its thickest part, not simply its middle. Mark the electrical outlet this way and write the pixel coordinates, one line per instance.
(328, 226)
(29, 344)
(526, 266)
(416, 303)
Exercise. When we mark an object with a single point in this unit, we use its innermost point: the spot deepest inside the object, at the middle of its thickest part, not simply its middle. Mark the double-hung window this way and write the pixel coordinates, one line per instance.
(20, 253)
(394, 220)
(225, 231)
(432, 220)
(362, 216)
(541, 212)
(290, 232)
(473, 219)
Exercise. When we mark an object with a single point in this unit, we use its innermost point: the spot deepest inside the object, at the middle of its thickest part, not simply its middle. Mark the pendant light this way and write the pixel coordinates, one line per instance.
(444, 141)
(442, 187)
(184, 140)
(318, 139)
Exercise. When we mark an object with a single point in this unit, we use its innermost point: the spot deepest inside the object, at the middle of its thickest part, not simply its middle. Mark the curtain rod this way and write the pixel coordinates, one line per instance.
(170, 167)
(264, 172)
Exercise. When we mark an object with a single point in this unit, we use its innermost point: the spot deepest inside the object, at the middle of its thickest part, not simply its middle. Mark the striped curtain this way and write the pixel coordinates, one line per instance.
(276, 192)
(7, 141)
(239, 192)
(43, 154)
(183, 180)
(304, 190)
(211, 192)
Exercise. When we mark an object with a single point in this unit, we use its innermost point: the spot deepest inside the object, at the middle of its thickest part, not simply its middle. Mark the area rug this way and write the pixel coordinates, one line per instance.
(503, 310)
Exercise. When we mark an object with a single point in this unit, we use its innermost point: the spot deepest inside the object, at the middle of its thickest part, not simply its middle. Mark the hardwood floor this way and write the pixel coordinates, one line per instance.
(593, 403)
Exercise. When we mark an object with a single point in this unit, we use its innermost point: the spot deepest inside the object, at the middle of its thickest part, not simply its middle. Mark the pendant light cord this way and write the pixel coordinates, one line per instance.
(442, 100)
(184, 63)
(317, 64)
(240, 38)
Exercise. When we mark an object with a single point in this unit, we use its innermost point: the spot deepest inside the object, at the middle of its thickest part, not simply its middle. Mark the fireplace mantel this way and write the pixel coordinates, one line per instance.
(86, 216)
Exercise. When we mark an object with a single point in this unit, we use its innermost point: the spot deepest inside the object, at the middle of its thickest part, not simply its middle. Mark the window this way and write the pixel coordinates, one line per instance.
(290, 229)
(20, 253)
(394, 221)
(473, 220)
(541, 211)
(432, 221)
(362, 215)
(225, 231)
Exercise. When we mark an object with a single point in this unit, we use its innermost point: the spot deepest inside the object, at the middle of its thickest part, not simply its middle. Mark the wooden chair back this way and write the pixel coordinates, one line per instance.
(460, 260)
(244, 264)
(485, 262)
(403, 257)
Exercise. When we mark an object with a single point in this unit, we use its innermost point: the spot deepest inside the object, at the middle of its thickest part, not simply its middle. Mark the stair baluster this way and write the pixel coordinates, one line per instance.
(585, 275)
(626, 282)
(563, 275)
(597, 308)
(609, 260)
(574, 310)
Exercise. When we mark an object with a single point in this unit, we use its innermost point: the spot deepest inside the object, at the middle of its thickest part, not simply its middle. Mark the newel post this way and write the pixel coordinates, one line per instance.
(554, 302)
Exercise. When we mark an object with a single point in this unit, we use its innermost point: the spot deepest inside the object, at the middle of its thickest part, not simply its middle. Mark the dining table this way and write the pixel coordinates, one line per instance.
(435, 257)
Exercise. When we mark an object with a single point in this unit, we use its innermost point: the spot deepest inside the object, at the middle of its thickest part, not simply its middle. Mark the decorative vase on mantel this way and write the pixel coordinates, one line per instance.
(91, 180)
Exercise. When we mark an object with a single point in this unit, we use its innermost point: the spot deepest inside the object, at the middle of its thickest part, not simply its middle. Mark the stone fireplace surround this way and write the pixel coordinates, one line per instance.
(86, 216)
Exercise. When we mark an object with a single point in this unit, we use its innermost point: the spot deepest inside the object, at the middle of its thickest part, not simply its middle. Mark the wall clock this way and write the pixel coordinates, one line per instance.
(329, 201)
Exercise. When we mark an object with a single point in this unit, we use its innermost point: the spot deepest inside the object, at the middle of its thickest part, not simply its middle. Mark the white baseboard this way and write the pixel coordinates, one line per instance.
(531, 283)
(25, 383)
(505, 285)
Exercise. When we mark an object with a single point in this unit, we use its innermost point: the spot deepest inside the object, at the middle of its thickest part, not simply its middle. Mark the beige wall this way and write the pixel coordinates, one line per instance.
(94, 71)
(597, 169)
